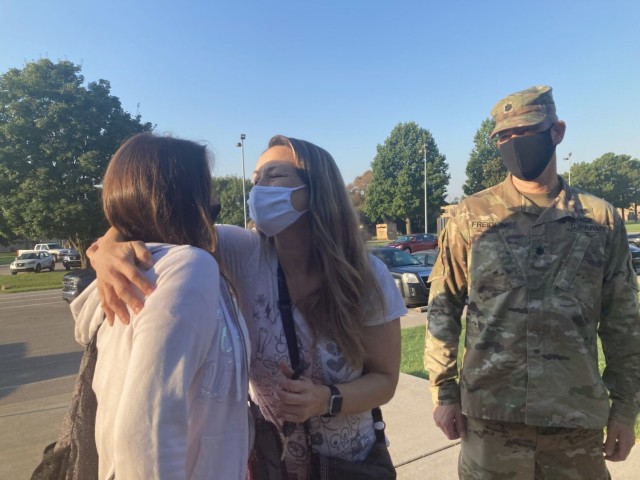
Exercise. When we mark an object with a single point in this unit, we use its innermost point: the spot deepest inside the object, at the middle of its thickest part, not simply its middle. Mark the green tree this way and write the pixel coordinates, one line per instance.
(611, 177)
(397, 189)
(56, 138)
(358, 193)
(6, 234)
(229, 192)
(485, 167)
(633, 170)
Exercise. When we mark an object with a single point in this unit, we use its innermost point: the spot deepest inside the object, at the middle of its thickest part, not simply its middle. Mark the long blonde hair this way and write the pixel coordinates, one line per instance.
(349, 290)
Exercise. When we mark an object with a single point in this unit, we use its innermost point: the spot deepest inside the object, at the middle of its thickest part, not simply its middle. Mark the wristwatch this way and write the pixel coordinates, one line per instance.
(335, 402)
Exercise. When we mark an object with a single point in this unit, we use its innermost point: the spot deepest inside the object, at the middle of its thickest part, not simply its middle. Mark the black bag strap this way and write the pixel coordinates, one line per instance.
(286, 312)
(378, 425)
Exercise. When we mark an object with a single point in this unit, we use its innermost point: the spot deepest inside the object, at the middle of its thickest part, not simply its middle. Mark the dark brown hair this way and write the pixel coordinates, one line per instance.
(159, 189)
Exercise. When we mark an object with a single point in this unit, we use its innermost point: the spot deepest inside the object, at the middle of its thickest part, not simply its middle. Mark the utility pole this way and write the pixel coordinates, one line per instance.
(425, 189)
(244, 194)
(568, 157)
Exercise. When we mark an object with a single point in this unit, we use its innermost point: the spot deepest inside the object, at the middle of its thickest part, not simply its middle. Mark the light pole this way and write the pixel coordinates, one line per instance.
(568, 157)
(425, 189)
(244, 194)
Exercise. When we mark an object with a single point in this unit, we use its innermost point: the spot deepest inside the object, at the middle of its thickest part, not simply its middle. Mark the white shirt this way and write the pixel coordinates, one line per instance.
(253, 270)
(172, 385)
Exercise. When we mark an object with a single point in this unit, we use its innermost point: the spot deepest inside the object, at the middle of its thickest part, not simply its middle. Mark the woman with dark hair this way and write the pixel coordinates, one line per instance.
(171, 385)
(345, 305)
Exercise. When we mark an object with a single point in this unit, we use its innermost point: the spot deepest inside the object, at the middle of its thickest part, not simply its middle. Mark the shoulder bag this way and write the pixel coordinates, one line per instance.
(377, 465)
(75, 456)
(265, 458)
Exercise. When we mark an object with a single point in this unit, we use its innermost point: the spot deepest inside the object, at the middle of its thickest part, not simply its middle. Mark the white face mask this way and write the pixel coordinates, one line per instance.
(270, 208)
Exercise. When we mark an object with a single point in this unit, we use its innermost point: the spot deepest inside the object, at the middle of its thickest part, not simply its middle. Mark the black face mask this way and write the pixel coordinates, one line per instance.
(527, 156)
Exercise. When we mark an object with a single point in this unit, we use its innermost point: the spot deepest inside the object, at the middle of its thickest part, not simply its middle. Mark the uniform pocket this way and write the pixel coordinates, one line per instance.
(582, 271)
(494, 270)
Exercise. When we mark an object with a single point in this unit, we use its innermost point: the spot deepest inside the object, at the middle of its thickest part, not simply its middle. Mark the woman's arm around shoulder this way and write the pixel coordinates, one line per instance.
(235, 248)
(120, 268)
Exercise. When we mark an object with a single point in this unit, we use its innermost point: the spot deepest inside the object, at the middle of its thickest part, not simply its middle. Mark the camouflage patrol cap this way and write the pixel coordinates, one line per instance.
(527, 108)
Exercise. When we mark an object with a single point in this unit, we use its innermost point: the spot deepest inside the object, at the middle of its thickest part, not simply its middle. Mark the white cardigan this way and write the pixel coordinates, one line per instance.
(172, 385)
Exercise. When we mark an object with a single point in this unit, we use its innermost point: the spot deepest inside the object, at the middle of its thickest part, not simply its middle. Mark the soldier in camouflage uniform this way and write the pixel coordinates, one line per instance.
(543, 269)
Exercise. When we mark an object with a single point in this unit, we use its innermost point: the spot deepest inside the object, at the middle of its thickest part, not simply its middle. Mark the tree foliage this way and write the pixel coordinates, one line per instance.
(229, 192)
(396, 191)
(485, 167)
(358, 193)
(615, 178)
(56, 138)
(633, 169)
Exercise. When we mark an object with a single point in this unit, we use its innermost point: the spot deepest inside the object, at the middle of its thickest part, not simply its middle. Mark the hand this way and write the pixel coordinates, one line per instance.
(450, 420)
(120, 281)
(301, 399)
(620, 440)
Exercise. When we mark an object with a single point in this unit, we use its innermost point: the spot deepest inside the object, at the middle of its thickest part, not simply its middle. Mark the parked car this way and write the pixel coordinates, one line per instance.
(635, 257)
(32, 261)
(426, 257)
(415, 242)
(409, 274)
(634, 238)
(72, 260)
(73, 283)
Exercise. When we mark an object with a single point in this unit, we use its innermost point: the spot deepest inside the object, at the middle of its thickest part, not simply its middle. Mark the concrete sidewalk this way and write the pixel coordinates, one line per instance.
(30, 418)
(419, 449)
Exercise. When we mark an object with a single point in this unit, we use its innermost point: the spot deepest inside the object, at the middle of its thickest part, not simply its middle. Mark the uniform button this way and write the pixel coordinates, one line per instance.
(539, 250)
(536, 350)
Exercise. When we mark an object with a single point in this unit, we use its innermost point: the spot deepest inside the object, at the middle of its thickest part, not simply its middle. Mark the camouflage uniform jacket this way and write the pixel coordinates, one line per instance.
(540, 285)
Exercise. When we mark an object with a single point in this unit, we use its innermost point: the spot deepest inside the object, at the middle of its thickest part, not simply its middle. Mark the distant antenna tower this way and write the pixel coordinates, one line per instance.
(138, 109)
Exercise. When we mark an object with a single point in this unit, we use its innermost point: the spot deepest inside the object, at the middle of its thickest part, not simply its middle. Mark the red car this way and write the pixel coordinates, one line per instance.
(415, 242)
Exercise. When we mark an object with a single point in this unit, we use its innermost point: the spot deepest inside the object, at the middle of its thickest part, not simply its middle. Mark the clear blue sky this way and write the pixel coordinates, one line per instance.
(343, 73)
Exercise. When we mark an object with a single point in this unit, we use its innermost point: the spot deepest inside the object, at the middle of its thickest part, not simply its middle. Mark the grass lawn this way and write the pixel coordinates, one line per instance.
(413, 351)
(377, 243)
(25, 282)
(7, 258)
(412, 361)
(632, 227)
